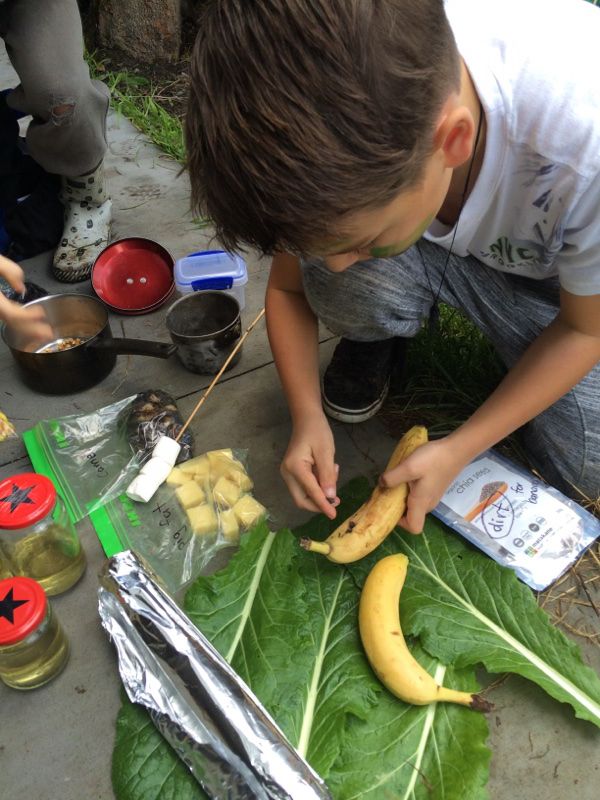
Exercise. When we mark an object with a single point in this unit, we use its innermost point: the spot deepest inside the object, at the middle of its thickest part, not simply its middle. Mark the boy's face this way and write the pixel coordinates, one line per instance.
(393, 228)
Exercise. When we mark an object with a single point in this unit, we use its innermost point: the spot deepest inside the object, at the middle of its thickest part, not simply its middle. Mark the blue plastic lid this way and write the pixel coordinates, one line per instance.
(210, 269)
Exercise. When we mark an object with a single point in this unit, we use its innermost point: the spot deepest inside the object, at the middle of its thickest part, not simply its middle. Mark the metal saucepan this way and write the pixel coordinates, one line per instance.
(205, 326)
(79, 325)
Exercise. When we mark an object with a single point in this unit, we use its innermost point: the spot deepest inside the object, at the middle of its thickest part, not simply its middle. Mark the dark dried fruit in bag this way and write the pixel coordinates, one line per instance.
(153, 414)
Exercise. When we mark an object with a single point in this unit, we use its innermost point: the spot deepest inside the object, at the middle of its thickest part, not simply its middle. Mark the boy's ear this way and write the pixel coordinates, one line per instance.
(455, 136)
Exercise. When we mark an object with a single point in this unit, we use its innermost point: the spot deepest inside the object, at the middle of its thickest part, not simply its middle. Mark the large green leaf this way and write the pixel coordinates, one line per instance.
(286, 621)
(469, 614)
(404, 752)
(289, 630)
(467, 611)
(408, 752)
(144, 766)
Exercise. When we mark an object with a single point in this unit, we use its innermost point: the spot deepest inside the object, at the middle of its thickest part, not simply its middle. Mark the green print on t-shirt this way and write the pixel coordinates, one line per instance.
(509, 255)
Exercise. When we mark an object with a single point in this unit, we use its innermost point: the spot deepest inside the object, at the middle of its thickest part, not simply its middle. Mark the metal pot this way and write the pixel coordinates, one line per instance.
(205, 326)
(45, 368)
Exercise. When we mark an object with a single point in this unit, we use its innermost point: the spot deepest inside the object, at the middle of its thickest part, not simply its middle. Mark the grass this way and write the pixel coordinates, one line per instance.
(135, 97)
(449, 372)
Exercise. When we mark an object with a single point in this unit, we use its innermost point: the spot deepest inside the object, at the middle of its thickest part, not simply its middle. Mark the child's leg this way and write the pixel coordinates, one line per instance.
(373, 345)
(379, 299)
(67, 135)
(44, 42)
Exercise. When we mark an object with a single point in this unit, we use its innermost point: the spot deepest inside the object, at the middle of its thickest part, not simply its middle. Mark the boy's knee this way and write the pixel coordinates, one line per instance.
(62, 111)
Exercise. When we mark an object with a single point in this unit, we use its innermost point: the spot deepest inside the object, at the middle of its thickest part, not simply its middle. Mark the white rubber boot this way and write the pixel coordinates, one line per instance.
(87, 226)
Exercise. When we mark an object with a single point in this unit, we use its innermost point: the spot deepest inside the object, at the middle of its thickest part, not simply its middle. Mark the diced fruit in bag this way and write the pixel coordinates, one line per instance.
(196, 466)
(216, 456)
(202, 519)
(239, 476)
(229, 526)
(190, 494)
(220, 463)
(177, 477)
(226, 493)
(248, 511)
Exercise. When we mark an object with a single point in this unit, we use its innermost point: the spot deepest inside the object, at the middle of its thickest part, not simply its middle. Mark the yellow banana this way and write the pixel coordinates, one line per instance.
(383, 641)
(375, 519)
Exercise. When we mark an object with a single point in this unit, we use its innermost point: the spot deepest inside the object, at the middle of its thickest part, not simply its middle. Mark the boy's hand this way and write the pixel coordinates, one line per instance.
(308, 467)
(31, 321)
(428, 471)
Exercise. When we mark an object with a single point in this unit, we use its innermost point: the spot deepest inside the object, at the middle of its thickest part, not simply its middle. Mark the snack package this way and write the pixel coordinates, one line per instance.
(92, 458)
(517, 520)
(204, 505)
(7, 429)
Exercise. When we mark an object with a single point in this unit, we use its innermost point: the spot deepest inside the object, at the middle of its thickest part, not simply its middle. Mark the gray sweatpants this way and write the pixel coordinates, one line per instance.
(383, 298)
(44, 42)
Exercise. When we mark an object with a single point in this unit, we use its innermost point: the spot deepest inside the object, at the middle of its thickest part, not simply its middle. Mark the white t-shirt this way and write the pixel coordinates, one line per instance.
(535, 208)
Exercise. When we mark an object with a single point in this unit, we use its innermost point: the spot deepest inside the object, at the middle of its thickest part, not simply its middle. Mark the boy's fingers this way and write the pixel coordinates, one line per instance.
(301, 499)
(307, 493)
(327, 478)
(413, 520)
(9, 311)
(312, 501)
(33, 320)
(403, 473)
(34, 312)
(41, 332)
(404, 523)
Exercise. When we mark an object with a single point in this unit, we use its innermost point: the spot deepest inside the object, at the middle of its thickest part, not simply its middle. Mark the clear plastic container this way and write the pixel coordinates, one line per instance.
(37, 538)
(212, 269)
(33, 645)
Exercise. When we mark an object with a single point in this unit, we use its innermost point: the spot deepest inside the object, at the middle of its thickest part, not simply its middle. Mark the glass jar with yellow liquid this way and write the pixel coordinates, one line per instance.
(37, 538)
(33, 646)
(5, 571)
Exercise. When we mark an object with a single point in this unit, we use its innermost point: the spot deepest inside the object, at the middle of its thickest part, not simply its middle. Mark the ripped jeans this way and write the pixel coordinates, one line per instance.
(383, 298)
(44, 42)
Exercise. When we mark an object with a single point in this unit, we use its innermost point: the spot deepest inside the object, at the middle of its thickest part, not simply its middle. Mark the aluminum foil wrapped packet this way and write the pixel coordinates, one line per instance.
(199, 704)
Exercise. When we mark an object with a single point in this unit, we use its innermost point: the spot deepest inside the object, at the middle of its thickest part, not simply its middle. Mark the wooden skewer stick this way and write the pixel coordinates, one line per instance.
(259, 316)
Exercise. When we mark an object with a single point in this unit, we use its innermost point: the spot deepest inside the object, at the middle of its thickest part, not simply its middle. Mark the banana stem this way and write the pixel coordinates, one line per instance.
(474, 701)
(315, 547)
(478, 703)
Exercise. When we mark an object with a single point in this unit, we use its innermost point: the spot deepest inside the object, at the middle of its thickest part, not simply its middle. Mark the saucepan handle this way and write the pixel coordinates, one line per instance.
(135, 347)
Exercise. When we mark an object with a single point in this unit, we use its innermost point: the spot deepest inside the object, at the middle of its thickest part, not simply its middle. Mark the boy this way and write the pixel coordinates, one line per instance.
(389, 156)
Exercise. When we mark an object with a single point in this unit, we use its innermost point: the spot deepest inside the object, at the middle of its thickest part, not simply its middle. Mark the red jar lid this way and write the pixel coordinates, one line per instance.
(25, 499)
(23, 605)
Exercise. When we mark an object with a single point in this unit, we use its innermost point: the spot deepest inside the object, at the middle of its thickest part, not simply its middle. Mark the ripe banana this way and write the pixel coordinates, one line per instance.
(383, 640)
(375, 519)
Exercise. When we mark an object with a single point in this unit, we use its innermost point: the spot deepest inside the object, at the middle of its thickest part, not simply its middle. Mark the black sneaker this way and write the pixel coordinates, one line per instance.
(357, 380)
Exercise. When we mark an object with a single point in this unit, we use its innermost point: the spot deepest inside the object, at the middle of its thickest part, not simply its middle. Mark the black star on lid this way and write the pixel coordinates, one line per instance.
(8, 605)
(18, 497)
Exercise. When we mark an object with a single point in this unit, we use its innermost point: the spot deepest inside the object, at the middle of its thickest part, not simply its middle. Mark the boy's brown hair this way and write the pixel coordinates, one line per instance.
(304, 111)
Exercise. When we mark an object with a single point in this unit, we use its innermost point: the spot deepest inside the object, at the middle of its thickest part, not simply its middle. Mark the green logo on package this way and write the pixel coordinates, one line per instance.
(58, 435)
(130, 511)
